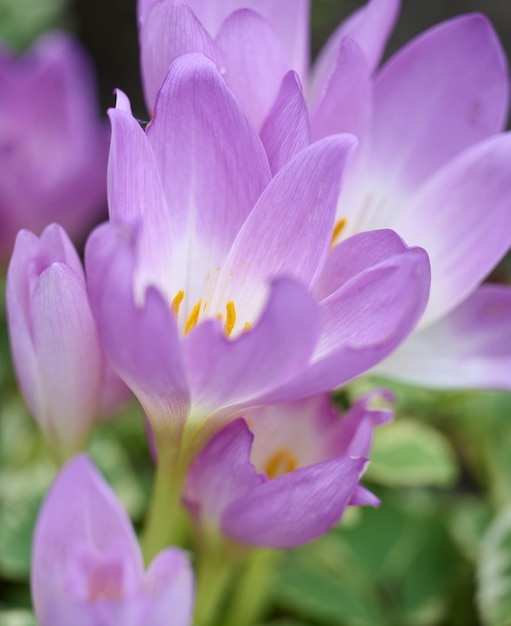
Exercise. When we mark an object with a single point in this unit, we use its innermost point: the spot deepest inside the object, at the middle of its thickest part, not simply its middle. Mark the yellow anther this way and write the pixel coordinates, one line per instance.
(338, 228)
(230, 319)
(247, 326)
(193, 317)
(176, 302)
(281, 462)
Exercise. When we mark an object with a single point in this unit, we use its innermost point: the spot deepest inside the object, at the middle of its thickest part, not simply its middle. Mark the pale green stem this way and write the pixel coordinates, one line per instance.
(218, 562)
(250, 596)
(163, 523)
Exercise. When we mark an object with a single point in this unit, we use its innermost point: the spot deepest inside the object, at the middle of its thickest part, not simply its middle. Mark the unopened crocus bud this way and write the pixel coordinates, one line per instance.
(87, 567)
(59, 362)
(53, 145)
(285, 475)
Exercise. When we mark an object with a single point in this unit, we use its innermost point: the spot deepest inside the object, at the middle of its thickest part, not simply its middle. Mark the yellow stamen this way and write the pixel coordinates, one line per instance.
(247, 326)
(193, 317)
(281, 462)
(230, 320)
(338, 228)
(176, 302)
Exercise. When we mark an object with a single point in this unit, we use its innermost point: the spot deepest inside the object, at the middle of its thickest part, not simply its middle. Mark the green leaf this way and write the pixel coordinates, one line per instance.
(408, 453)
(494, 572)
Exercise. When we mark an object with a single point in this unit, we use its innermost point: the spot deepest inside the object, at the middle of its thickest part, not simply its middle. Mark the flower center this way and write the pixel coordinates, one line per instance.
(193, 318)
(281, 462)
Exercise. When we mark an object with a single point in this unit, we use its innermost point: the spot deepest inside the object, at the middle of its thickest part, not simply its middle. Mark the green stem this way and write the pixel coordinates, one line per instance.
(164, 520)
(217, 563)
(250, 596)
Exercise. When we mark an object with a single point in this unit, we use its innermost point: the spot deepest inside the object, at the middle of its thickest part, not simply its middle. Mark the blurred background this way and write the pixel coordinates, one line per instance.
(437, 552)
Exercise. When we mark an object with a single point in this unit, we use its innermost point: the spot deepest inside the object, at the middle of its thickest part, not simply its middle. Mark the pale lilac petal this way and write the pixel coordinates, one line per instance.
(80, 510)
(66, 342)
(288, 18)
(461, 217)
(140, 340)
(220, 473)
(212, 164)
(354, 255)
(135, 194)
(363, 322)
(226, 372)
(169, 30)
(440, 94)
(470, 347)
(289, 230)
(363, 497)
(53, 336)
(344, 105)
(295, 508)
(353, 434)
(286, 131)
(169, 583)
(255, 61)
(369, 27)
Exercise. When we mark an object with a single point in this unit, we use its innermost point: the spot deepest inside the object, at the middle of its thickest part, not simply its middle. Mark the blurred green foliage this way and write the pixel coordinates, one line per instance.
(21, 21)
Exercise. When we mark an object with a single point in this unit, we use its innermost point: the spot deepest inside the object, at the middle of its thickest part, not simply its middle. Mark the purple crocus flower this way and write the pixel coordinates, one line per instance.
(205, 282)
(87, 567)
(61, 367)
(432, 163)
(53, 146)
(285, 475)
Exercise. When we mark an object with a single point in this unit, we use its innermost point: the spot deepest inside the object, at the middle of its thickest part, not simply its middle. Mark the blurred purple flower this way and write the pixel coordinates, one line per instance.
(432, 163)
(285, 475)
(61, 368)
(205, 283)
(87, 568)
(53, 146)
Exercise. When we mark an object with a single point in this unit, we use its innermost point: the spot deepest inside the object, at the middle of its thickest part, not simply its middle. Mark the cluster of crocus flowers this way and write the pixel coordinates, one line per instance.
(53, 144)
(273, 233)
(432, 162)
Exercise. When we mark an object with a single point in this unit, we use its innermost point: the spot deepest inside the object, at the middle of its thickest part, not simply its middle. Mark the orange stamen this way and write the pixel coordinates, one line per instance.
(281, 462)
(338, 228)
(230, 319)
(176, 302)
(191, 322)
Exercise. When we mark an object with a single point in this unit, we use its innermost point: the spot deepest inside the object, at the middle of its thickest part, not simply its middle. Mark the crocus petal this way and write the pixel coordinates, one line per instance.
(226, 372)
(345, 103)
(461, 217)
(169, 29)
(288, 18)
(169, 582)
(290, 228)
(363, 497)
(369, 27)
(221, 472)
(363, 322)
(286, 129)
(470, 347)
(141, 341)
(135, 191)
(255, 61)
(295, 508)
(53, 336)
(354, 255)
(79, 508)
(212, 164)
(443, 92)
(65, 339)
